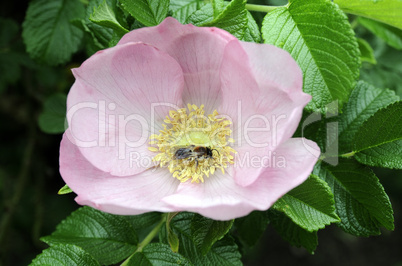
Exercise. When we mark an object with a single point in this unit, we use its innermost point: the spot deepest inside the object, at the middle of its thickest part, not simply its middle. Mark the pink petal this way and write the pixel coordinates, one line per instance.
(111, 109)
(274, 68)
(199, 52)
(280, 80)
(264, 113)
(220, 198)
(128, 195)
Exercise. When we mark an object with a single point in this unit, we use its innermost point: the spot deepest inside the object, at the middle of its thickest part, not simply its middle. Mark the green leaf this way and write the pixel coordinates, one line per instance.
(360, 199)
(310, 205)
(104, 15)
(64, 254)
(182, 9)
(92, 43)
(374, 140)
(217, 5)
(223, 252)
(366, 52)
(108, 238)
(144, 220)
(157, 254)
(391, 35)
(203, 15)
(53, 118)
(148, 12)
(387, 73)
(364, 101)
(205, 231)
(232, 19)
(64, 190)
(252, 32)
(319, 37)
(388, 155)
(383, 127)
(293, 233)
(251, 227)
(322, 129)
(47, 32)
(173, 240)
(387, 11)
(98, 36)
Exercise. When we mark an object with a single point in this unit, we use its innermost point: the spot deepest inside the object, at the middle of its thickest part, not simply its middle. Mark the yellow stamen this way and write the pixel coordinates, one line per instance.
(193, 145)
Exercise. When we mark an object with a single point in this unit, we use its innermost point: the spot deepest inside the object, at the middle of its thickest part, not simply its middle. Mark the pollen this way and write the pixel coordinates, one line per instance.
(193, 145)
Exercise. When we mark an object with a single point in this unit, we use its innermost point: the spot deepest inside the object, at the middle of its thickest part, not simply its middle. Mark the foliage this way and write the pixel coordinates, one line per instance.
(352, 70)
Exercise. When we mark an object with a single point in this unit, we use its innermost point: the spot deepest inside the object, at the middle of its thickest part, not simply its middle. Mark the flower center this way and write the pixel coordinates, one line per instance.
(192, 145)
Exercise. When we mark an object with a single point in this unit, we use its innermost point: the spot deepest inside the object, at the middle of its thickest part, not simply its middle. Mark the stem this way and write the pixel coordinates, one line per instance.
(147, 239)
(354, 24)
(347, 155)
(260, 8)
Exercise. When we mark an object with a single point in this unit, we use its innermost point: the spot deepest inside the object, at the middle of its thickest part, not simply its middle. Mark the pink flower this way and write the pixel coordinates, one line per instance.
(181, 118)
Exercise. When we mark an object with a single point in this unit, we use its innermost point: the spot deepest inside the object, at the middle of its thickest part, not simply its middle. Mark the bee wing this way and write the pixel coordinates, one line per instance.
(183, 153)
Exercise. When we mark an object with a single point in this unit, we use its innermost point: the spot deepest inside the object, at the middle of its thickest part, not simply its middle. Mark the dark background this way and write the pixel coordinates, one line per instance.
(29, 176)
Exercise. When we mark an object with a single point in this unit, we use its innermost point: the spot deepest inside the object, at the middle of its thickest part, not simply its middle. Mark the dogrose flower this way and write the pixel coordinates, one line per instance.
(182, 118)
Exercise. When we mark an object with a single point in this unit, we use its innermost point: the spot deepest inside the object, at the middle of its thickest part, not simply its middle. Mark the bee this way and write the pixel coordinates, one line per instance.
(195, 153)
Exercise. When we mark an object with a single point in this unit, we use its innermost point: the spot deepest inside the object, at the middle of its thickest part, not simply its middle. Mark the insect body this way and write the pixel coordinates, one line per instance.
(193, 152)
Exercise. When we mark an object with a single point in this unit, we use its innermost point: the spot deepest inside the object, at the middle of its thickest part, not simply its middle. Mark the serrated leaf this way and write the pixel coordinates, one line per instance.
(203, 15)
(381, 128)
(157, 254)
(64, 254)
(47, 32)
(366, 51)
(319, 37)
(322, 129)
(223, 252)
(387, 11)
(293, 233)
(104, 15)
(108, 238)
(364, 101)
(217, 5)
(360, 199)
(182, 9)
(64, 190)
(373, 140)
(391, 35)
(388, 155)
(310, 205)
(98, 36)
(205, 231)
(252, 32)
(144, 220)
(148, 12)
(251, 227)
(53, 118)
(232, 19)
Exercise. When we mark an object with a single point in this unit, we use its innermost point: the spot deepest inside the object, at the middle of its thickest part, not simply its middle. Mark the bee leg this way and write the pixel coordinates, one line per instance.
(217, 151)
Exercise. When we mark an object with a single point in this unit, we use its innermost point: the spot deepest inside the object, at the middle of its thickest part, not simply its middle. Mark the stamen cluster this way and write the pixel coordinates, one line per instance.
(203, 142)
